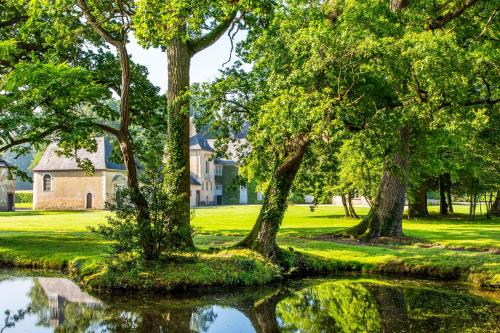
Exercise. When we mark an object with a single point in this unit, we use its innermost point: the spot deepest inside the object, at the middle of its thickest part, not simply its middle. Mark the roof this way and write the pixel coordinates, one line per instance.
(198, 141)
(225, 162)
(194, 179)
(100, 159)
(4, 164)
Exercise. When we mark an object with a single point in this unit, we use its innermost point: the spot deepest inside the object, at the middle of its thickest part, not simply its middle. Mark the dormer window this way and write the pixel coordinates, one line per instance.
(47, 183)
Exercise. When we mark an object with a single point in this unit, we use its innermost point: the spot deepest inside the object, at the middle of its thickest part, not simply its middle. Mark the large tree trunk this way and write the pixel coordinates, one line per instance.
(495, 208)
(262, 238)
(417, 205)
(385, 219)
(176, 179)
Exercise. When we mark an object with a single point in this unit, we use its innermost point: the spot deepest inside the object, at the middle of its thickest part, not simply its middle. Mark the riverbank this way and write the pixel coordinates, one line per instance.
(450, 248)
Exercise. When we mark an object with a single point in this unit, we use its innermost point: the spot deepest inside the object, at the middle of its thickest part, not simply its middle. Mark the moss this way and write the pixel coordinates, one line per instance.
(181, 271)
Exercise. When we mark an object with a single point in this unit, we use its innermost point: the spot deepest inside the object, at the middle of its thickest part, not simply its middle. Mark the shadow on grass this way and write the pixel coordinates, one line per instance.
(335, 216)
(51, 246)
(43, 212)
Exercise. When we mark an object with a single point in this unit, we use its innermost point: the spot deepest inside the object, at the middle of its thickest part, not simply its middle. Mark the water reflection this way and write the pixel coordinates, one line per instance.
(341, 305)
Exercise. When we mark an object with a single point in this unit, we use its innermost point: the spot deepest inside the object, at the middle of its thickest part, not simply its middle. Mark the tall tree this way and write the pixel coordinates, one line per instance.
(64, 94)
(418, 89)
(182, 28)
(293, 102)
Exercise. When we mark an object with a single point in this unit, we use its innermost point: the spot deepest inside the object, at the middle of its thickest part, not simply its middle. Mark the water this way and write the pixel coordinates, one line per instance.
(48, 304)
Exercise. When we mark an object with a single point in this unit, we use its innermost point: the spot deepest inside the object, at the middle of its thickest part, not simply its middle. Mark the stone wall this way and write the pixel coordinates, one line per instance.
(6, 186)
(69, 190)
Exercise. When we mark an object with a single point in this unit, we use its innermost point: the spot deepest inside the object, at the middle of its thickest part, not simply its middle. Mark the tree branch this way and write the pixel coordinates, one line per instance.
(108, 129)
(98, 28)
(28, 139)
(13, 20)
(199, 44)
(442, 20)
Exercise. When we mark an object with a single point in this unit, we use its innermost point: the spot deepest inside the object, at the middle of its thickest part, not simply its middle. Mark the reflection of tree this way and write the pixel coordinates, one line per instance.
(340, 306)
(391, 305)
(12, 319)
(443, 311)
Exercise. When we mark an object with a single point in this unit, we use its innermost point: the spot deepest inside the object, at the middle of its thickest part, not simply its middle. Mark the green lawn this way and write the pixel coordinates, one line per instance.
(52, 238)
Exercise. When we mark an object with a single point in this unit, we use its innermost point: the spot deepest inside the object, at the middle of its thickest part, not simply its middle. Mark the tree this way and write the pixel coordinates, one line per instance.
(182, 28)
(293, 103)
(70, 101)
(421, 87)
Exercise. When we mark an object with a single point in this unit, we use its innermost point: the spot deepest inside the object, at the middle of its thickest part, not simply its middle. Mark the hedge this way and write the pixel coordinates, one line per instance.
(24, 197)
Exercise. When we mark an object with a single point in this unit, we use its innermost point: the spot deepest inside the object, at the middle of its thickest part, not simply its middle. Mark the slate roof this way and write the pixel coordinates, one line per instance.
(101, 159)
(194, 180)
(198, 141)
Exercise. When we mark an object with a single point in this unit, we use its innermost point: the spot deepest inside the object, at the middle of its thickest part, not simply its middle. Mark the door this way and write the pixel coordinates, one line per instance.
(89, 200)
(198, 197)
(219, 200)
(10, 202)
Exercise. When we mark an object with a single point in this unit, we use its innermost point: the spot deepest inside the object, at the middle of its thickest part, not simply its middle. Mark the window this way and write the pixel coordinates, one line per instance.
(218, 188)
(218, 170)
(211, 186)
(47, 183)
(207, 167)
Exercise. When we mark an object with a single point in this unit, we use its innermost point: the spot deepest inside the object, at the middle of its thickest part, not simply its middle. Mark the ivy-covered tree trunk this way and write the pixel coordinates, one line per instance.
(176, 179)
(417, 202)
(385, 219)
(262, 238)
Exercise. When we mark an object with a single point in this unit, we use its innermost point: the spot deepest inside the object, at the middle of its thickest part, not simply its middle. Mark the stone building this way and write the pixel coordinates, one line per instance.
(216, 181)
(7, 188)
(58, 182)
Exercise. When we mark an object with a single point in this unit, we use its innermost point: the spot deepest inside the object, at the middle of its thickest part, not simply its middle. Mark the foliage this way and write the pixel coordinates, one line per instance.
(340, 306)
(24, 197)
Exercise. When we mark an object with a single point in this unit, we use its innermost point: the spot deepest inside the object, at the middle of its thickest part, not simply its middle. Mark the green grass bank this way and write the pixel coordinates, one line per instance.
(449, 247)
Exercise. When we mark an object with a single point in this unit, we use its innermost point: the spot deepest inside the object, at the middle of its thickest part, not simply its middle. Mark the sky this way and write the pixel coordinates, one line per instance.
(205, 65)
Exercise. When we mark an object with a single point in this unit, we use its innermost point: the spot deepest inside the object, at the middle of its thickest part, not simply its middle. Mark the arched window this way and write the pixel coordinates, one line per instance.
(47, 183)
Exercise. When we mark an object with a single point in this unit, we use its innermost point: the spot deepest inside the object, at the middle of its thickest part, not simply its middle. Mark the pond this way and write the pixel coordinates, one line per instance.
(340, 304)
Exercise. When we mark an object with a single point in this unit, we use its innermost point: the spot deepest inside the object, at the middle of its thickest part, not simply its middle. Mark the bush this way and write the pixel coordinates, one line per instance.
(296, 198)
(24, 197)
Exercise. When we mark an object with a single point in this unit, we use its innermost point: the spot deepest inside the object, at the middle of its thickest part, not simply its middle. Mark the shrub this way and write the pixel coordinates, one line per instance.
(24, 197)
(296, 198)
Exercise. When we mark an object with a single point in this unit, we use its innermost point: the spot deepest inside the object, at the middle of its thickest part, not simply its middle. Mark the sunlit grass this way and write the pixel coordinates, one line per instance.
(54, 238)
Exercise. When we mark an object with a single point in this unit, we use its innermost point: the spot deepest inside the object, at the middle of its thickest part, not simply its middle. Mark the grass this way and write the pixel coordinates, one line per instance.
(24, 205)
(61, 239)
